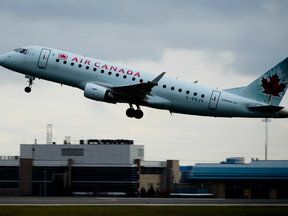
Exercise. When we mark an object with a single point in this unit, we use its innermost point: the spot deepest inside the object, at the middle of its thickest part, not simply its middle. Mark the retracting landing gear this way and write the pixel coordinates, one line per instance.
(131, 112)
(30, 81)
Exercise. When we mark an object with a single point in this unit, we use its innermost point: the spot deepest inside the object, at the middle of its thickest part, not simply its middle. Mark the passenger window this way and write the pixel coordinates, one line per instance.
(79, 65)
(124, 76)
(57, 60)
(164, 86)
(133, 78)
(172, 88)
(94, 69)
(72, 63)
(180, 90)
(102, 71)
(195, 94)
(64, 62)
(87, 67)
(110, 73)
(117, 75)
(187, 92)
(202, 96)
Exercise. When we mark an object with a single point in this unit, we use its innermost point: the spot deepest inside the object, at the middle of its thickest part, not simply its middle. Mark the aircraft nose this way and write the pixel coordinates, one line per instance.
(3, 58)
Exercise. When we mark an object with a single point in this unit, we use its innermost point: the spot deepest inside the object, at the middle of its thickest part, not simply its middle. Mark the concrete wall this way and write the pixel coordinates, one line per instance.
(147, 180)
(172, 169)
(97, 154)
(25, 176)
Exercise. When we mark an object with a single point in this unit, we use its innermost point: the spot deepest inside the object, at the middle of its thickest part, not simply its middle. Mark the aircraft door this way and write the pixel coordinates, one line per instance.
(43, 58)
(214, 100)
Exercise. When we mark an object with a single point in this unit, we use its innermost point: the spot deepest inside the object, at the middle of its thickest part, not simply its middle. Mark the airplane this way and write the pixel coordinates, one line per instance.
(113, 83)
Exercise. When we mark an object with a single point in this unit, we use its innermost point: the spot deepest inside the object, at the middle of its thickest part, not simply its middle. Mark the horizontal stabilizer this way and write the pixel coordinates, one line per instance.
(268, 108)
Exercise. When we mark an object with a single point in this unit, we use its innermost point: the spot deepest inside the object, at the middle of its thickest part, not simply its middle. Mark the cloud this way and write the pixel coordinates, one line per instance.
(221, 44)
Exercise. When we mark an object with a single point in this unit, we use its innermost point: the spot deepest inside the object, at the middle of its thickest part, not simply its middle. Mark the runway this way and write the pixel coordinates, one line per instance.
(138, 201)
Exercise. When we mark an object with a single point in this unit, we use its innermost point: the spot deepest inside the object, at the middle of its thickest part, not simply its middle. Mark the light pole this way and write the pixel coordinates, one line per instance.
(44, 183)
(266, 120)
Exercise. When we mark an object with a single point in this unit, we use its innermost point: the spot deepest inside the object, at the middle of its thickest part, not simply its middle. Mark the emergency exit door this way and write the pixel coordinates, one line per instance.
(214, 100)
(43, 58)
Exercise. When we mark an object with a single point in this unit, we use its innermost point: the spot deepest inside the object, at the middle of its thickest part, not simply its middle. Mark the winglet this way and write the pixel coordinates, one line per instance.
(156, 80)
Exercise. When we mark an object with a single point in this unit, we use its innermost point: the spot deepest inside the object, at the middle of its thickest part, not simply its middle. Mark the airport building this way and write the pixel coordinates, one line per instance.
(118, 168)
(235, 179)
(94, 167)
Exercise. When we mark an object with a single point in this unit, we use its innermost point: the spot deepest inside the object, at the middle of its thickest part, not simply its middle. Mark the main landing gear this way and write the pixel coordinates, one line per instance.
(131, 112)
(30, 81)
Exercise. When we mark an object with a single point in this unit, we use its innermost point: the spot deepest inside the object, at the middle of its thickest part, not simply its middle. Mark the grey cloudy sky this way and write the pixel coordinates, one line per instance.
(221, 43)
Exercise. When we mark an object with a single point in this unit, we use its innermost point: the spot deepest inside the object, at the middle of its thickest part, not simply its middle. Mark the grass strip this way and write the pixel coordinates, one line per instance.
(142, 210)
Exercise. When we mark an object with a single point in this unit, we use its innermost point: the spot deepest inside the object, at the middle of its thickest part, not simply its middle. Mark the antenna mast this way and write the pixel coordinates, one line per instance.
(49, 134)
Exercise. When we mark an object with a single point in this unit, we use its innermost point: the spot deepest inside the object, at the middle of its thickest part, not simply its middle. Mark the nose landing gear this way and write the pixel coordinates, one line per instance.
(30, 81)
(131, 112)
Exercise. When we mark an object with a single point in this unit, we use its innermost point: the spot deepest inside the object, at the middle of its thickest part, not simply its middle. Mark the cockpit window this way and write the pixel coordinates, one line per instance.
(21, 50)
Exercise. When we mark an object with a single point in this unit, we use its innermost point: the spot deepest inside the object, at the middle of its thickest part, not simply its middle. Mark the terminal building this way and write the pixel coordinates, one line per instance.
(94, 167)
(118, 168)
(235, 179)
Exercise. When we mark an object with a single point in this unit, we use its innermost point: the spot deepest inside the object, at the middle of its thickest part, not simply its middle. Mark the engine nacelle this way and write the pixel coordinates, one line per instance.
(99, 93)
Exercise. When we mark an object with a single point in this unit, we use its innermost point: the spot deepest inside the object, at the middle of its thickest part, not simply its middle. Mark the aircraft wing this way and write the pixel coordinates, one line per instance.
(137, 92)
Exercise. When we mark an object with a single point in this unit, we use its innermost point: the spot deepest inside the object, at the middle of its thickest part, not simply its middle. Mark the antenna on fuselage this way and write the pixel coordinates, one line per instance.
(196, 81)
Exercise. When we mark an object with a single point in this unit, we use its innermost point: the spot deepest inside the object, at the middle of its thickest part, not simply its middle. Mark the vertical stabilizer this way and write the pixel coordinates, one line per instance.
(271, 86)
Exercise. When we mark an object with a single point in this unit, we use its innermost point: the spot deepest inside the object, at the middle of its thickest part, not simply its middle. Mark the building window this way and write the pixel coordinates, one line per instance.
(152, 170)
(72, 152)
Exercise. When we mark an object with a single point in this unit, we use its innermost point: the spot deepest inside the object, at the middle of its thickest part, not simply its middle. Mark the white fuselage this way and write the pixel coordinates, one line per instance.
(175, 95)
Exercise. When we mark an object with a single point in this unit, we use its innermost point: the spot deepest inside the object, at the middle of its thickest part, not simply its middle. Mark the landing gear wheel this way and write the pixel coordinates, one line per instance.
(138, 114)
(27, 89)
(30, 81)
(130, 112)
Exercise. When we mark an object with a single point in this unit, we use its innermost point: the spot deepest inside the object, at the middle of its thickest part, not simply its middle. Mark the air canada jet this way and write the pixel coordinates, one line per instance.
(113, 83)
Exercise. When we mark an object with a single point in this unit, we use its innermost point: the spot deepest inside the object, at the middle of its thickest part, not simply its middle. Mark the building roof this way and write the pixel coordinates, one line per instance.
(255, 170)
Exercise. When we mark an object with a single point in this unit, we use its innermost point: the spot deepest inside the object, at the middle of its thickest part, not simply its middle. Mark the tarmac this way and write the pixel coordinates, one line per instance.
(63, 201)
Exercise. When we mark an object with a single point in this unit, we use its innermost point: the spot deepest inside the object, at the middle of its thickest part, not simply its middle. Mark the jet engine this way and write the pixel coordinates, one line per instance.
(99, 93)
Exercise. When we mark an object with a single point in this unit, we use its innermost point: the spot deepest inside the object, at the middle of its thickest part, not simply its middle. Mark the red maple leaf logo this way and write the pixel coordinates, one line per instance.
(272, 86)
(62, 56)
